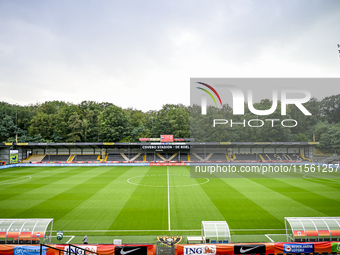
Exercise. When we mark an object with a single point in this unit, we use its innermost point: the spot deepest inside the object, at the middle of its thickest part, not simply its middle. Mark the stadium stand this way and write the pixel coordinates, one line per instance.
(151, 157)
(283, 157)
(85, 158)
(115, 157)
(55, 158)
(200, 156)
(167, 156)
(132, 157)
(246, 156)
(183, 157)
(34, 158)
(136, 157)
(219, 157)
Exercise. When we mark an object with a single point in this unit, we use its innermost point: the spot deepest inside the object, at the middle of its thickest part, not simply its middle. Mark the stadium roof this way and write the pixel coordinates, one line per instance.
(109, 144)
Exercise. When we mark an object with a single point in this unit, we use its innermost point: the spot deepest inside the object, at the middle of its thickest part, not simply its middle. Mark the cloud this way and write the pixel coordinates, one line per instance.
(142, 54)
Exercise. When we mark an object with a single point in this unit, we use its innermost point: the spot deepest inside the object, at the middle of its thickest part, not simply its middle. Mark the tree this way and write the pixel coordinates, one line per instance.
(75, 126)
(330, 109)
(330, 141)
(7, 128)
(114, 124)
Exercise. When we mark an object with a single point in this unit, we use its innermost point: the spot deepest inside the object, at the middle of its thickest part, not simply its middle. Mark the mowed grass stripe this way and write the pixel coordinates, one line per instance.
(39, 178)
(275, 203)
(324, 205)
(35, 190)
(101, 209)
(15, 172)
(237, 209)
(63, 196)
(329, 188)
(147, 206)
(189, 204)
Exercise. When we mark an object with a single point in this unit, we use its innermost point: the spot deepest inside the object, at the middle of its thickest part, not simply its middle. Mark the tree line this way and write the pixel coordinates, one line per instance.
(57, 121)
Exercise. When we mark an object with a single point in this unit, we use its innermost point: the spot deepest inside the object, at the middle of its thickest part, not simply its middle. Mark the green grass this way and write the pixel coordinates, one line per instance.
(100, 202)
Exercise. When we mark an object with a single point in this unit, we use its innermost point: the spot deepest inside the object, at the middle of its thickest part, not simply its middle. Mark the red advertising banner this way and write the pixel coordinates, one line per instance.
(108, 249)
(167, 138)
(7, 249)
(222, 249)
(186, 249)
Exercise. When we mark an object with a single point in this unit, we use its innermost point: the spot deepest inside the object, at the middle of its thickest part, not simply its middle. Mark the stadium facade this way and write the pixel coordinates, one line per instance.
(109, 152)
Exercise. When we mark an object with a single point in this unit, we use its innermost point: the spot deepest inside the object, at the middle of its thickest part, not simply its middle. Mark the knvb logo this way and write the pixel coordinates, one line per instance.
(239, 99)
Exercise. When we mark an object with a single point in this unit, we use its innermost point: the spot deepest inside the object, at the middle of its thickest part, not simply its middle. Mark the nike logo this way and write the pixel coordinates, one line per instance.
(122, 252)
(249, 249)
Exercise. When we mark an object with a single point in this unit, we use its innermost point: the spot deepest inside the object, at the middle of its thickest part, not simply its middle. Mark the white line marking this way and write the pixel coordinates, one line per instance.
(65, 236)
(154, 230)
(168, 179)
(130, 230)
(270, 238)
(257, 229)
(70, 239)
(12, 181)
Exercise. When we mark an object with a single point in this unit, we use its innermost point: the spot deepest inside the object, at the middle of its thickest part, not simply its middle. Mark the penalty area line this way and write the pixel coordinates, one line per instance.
(269, 238)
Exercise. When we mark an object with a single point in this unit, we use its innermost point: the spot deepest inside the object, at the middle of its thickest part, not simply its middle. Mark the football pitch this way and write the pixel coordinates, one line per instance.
(138, 203)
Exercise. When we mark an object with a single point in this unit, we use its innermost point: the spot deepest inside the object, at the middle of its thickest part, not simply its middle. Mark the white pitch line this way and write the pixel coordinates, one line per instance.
(70, 239)
(168, 180)
(130, 230)
(256, 229)
(270, 238)
(158, 230)
(66, 236)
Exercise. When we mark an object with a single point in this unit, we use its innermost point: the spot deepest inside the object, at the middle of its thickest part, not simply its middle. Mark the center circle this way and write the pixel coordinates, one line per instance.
(16, 180)
(158, 177)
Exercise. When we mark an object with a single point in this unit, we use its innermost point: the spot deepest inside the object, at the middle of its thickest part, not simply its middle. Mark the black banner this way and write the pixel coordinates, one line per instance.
(131, 250)
(165, 147)
(247, 249)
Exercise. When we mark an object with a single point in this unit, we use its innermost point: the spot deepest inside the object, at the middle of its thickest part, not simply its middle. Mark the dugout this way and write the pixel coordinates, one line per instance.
(215, 232)
(25, 231)
(312, 229)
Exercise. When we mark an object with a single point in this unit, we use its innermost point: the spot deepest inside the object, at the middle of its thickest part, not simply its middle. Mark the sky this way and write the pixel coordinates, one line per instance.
(142, 54)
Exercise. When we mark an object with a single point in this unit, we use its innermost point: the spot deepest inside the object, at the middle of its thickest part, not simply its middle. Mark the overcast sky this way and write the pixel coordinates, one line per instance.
(142, 54)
